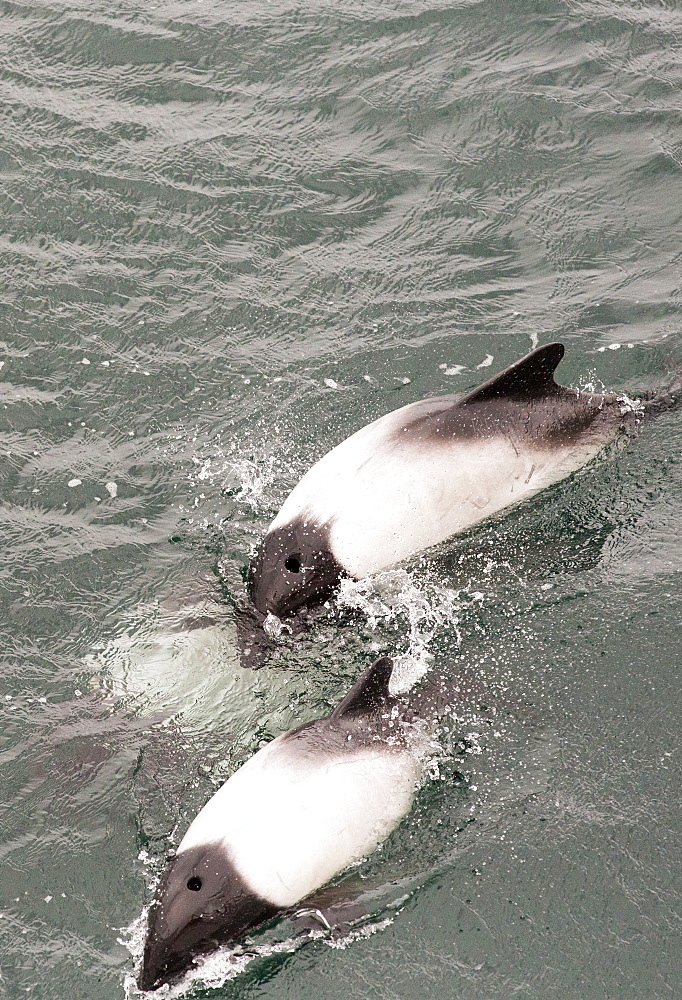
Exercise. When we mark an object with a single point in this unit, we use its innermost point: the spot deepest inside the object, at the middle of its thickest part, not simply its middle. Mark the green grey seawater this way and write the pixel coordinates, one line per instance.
(232, 233)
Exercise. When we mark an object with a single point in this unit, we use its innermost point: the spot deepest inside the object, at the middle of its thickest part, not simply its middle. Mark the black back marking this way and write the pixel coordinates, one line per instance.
(522, 404)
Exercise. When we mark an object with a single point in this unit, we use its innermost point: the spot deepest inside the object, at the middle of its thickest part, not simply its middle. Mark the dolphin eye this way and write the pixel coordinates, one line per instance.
(194, 883)
(293, 563)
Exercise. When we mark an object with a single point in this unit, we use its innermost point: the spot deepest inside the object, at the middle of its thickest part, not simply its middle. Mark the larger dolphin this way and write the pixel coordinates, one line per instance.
(424, 472)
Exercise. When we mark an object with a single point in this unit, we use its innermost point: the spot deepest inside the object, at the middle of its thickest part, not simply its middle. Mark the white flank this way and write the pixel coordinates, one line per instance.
(386, 499)
(291, 821)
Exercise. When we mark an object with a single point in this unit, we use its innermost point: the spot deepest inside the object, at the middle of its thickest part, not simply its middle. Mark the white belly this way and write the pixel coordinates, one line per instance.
(291, 823)
(386, 500)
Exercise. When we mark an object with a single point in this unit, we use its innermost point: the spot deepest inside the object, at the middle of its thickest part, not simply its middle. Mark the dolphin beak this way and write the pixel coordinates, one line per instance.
(166, 956)
(156, 969)
(154, 966)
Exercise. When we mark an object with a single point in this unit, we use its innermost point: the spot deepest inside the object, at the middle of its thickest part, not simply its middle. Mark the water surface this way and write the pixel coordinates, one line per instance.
(231, 234)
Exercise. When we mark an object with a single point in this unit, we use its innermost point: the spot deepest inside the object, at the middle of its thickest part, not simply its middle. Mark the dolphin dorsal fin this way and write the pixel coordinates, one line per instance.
(530, 378)
(369, 690)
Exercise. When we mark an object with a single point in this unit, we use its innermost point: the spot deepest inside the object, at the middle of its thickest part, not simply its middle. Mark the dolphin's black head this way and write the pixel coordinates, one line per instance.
(203, 903)
(294, 567)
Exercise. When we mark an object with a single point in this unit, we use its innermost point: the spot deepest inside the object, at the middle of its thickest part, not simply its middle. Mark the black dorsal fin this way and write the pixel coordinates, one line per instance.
(369, 690)
(530, 378)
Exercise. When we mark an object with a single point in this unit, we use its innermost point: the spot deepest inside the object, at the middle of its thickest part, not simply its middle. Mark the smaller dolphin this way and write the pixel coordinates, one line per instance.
(425, 472)
(298, 812)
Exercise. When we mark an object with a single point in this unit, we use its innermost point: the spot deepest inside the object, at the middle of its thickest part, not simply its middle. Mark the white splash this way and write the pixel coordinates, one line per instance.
(359, 933)
(274, 626)
(630, 405)
(392, 594)
(594, 384)
(255, 480)
(248, 480)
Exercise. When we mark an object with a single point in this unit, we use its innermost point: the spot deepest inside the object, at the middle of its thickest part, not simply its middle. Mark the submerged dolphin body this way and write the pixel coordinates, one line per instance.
(425, 472)
(299, 811)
